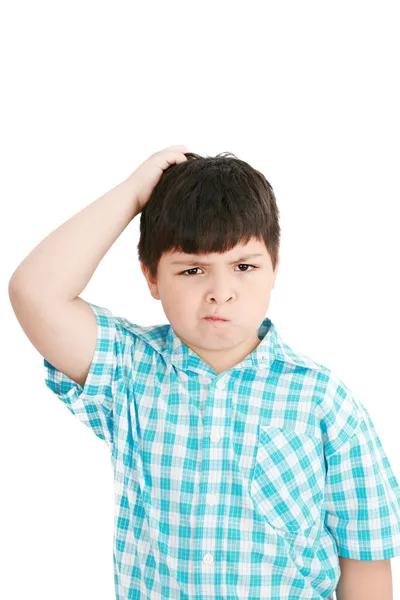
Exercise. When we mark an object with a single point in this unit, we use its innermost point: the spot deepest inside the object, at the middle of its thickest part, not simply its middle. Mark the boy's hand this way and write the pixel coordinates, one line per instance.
(147, 175)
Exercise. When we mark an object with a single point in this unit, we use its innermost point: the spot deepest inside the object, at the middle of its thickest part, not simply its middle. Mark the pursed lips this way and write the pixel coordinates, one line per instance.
(216, 319)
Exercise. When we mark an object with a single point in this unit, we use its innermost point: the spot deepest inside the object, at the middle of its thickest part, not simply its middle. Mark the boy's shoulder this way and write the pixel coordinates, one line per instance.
(129, 341)
(286, 353)
(145, 332)
(340, 409)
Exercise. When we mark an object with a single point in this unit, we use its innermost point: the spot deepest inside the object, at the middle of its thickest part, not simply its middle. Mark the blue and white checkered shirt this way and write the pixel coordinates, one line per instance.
(246, 484)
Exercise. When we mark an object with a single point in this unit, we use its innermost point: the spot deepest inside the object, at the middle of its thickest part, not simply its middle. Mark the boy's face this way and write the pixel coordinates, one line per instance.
(191, 290)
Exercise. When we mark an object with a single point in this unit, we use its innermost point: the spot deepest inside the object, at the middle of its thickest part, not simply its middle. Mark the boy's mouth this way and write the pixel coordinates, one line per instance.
(216, 319)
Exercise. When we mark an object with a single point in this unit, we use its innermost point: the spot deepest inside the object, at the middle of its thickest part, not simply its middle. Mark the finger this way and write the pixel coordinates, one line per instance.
(179, 147)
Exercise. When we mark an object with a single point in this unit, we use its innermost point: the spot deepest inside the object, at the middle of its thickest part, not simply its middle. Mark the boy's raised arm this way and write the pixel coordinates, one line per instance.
(60, 266)
(44, 289)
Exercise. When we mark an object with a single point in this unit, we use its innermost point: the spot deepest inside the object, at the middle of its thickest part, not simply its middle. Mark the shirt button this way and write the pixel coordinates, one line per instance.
(211, 499)
(208, 558)
(215, 436)
(221, 384)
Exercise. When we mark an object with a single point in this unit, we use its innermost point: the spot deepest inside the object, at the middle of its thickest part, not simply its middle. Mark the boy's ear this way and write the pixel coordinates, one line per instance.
(151, 281)
(276, 270)
(143, 268)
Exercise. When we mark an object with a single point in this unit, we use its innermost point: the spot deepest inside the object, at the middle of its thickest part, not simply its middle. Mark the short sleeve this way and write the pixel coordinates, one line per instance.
(362, 496)
(93, 404)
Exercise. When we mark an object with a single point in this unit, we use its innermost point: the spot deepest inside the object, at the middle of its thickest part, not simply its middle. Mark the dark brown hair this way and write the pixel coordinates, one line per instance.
(208, 204)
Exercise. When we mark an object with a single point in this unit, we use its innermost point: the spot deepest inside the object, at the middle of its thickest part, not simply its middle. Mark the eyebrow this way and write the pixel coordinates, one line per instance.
(191, 262)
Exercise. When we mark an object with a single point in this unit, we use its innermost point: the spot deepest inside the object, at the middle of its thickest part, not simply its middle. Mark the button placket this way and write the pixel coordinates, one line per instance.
(211, 499)
(208, 558)
(220, 385)
(215, 437)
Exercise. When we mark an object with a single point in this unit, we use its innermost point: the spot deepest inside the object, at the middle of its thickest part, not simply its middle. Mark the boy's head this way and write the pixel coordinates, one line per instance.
(214, 210)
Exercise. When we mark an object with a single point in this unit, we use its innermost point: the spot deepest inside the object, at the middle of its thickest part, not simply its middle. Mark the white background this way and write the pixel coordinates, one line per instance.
(306, 92)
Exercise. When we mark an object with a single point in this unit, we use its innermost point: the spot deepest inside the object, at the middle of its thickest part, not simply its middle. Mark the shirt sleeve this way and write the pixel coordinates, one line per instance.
(362, 496)
(93, 404)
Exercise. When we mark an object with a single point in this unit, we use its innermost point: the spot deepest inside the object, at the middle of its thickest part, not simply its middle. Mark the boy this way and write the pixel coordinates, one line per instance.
(242, 469)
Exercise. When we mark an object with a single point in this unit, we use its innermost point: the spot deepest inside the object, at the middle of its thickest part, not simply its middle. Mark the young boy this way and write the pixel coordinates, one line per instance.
(242, 469)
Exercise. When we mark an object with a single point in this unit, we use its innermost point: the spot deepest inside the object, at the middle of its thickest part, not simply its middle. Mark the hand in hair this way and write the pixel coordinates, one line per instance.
(148, 174)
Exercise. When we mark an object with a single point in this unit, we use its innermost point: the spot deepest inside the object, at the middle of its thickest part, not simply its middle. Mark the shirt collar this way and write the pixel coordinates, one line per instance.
(270, 348)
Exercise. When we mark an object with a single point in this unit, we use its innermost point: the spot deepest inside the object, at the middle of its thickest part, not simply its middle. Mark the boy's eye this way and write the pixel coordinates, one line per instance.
(188, 274)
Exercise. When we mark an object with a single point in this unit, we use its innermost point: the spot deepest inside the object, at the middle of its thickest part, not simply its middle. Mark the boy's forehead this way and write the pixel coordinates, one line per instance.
(234, 255)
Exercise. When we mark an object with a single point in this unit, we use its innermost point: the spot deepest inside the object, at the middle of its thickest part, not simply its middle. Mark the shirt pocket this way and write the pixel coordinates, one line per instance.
(287, 482)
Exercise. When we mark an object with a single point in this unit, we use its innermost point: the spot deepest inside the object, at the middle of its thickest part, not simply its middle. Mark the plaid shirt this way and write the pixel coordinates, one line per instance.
(245, 484)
